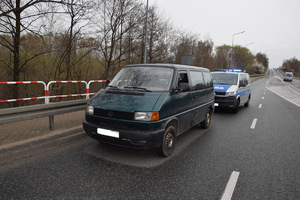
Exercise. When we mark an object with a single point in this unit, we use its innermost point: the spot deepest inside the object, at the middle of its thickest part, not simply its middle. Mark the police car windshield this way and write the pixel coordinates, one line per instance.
(224, 78)
(143, 78)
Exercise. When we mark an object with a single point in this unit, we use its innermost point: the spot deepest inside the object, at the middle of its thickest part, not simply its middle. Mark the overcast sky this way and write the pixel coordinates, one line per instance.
(273, 26)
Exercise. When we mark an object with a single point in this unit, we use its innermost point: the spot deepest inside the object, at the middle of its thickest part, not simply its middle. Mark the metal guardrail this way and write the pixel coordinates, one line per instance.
(10, 115)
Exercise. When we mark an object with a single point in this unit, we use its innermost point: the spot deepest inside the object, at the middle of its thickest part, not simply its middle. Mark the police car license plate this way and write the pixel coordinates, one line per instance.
(106, 132)
(216, 104)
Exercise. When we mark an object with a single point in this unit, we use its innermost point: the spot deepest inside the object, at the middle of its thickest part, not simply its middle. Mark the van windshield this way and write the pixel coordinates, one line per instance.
(143, 78)
(224, 78)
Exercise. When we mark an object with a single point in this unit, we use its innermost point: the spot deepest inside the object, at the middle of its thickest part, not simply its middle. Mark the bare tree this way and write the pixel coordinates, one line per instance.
(17, 17)
(116, 21)
(204, 54)
(157, 41)
(222, 57)
(185, 44)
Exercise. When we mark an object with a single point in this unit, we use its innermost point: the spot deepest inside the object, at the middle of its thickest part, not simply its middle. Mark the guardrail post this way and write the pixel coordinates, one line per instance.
(51, 122)
(88, 86)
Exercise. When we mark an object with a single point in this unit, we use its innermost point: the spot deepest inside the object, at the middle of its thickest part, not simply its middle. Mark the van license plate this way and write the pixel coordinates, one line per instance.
(106, 132)
(216, 104)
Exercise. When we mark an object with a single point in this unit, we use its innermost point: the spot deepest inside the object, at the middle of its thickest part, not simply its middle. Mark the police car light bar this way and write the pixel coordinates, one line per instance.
(229, 70)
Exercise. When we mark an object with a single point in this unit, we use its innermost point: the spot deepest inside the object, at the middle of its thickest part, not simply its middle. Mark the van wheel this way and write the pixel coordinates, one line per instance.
(168, 143)
(206, 122)
(237, 106)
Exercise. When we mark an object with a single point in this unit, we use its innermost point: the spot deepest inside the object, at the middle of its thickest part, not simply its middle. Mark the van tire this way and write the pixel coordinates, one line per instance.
(168, 142)
(206, 122)
(237, 106)
(248, 102)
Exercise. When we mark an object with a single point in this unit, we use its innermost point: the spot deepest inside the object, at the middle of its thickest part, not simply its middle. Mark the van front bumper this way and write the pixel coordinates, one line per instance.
(225, 101)
(139, 139)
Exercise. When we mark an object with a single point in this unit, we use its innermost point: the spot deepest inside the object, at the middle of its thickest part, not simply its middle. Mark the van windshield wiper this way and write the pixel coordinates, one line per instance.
(138, 88)
(112, 86)
(223, 83)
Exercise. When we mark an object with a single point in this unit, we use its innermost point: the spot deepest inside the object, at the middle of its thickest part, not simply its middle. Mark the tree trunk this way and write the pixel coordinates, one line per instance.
(16, 52)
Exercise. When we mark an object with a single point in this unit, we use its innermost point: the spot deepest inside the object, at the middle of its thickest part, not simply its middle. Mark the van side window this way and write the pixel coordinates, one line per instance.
(248, 79)
(207, 80)
(197, 80)
(244, 79)
(241, 81)
(182, 77)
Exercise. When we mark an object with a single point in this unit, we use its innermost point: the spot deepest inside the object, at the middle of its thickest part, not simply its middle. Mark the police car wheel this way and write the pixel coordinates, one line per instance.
(168, 143)
(236, 108)
(247, 104)
(206, 122)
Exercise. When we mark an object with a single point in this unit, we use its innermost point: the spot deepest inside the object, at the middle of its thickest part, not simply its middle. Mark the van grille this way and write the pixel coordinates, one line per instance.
(108, 124)
(113, 114)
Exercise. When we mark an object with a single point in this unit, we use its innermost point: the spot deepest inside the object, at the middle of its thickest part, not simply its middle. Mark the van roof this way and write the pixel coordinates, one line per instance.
(174, 66)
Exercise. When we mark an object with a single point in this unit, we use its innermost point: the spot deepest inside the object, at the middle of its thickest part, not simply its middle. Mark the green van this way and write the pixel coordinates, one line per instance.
(149, 105)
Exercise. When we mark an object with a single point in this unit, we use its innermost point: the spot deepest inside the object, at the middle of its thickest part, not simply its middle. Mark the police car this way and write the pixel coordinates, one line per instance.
(232, 88)
(288, 76)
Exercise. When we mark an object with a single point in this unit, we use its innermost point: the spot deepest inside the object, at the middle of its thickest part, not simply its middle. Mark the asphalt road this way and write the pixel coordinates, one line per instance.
(259, 145)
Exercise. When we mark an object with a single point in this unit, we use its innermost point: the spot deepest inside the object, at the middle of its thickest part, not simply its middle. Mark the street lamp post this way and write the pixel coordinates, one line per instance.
(249, 44)
(231, 59)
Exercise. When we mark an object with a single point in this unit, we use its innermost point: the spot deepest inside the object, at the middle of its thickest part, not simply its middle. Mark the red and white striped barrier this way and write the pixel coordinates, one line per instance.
(88, 87)
(47, 90)
(61, 96)
(24, 82)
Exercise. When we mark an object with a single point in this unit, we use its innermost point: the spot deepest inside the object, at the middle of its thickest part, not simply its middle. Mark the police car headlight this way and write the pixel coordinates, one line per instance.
(89, 110)
(230, 93)
(146, 116)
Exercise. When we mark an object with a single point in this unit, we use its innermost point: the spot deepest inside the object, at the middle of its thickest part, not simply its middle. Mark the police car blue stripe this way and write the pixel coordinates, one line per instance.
(243, 93)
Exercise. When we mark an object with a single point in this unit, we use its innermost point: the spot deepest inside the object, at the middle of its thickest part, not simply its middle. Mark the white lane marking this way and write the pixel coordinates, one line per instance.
(263, 98)
(260, 105)
(230, 186)
(294, 90)
(284, 97)
(253, 123)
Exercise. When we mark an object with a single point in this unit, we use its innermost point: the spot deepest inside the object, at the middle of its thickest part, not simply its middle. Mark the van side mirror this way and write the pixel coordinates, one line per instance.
(107, 82)
(183, 87)
(243, 84)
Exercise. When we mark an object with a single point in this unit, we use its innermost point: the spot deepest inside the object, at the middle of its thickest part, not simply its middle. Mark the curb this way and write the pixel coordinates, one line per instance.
(66, 133)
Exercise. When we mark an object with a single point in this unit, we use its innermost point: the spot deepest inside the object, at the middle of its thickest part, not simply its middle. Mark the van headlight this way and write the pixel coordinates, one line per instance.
(146, 116)
(230, 93)
(89, 110)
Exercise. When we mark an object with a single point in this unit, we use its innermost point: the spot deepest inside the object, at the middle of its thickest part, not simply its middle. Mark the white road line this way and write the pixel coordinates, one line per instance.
(263, 98)
(294, 90)
(260, 105)
(253, 123)
(230, 186)
(283, 97)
